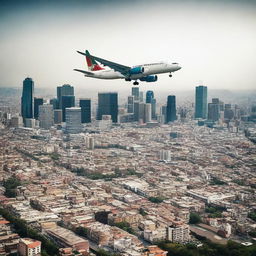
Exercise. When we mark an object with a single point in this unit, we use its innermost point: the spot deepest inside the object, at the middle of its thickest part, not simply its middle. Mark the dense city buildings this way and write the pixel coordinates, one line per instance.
(171, 109)
(27, 99)
(126, 186)
(201, 102)
(108, 105)
(85, 105)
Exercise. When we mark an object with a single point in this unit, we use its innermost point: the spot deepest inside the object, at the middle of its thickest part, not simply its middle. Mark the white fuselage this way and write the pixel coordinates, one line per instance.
(149, 69)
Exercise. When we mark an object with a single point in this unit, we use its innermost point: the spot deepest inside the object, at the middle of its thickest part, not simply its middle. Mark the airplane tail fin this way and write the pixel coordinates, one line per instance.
(91, 63)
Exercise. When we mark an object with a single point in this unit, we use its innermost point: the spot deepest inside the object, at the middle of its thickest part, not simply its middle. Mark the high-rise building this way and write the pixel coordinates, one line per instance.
(130, 107)
(163, 112)
(108, 105)
(165, 155)
(228, 112)
(67, 102)
(27, 99)
(142, 112)
(46, 116)
(148, 113)
(85, 105)
(178, 233)
(153, 107)
(215, 101)
(37, 103)
(201, 102)
(64, 90)
(141, 97)
(16, 121)
(171, 109)
(149, 96)
(136, 93)
(54, 103)
(30, 122)
(150, 99)
(73, 120)
(57, 116)
(213, 111)
(136, 111)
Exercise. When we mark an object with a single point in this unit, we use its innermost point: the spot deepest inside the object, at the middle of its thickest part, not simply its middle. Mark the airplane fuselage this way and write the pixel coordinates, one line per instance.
(148, 69)
(145, 72)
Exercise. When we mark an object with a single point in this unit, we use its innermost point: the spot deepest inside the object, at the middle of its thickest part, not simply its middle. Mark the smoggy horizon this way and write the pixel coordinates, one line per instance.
(214, 42)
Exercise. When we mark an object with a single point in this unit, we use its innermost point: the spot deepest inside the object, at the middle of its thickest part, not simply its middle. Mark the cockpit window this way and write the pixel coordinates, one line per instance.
(175, 63)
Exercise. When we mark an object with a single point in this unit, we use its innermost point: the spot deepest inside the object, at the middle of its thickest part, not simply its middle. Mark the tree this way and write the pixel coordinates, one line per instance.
(194, 218)
(10, 186)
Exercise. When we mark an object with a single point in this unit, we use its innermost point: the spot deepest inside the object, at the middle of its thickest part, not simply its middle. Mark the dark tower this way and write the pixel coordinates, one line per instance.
(27, 99)
(171, 109)
(85, 105)
(149, 96)
(201, 102)
(37, 103)
(64, 90)
(66, 102)
(108, 105)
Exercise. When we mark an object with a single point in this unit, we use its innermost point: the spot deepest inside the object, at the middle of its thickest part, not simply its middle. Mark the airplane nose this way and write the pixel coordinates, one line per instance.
(178, 67)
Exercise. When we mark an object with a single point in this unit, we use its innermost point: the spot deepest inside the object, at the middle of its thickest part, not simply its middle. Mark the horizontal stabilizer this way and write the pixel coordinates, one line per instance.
(83, 53)
(85, 72)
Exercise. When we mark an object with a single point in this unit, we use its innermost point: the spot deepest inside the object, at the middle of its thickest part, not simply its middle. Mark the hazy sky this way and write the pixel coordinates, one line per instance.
(214, 41)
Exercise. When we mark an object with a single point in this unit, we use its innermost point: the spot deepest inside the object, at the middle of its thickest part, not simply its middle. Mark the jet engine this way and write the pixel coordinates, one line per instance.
(136, 70)
(152, 78)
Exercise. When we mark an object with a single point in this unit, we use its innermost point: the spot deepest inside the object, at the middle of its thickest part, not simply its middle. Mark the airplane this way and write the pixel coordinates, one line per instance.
(145, 72)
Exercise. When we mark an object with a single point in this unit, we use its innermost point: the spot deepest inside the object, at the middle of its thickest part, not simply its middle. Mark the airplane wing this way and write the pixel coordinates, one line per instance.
(84, 72)
(117, 67)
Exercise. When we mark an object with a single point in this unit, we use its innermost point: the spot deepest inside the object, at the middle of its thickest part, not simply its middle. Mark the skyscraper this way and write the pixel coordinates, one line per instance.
(85, 105)
(149, 96)
(213, 112)
(64, 90)
(148, 112)
(130, 107)
(37, 103)
(150, 99)
(73, 120)
(153, 107)
(57, 116)
(141, 97)
(46, 116)
(163, 112)
(54, 103)
(136, 111)
(27, 99)
(136, 93)
(228, 112)
(108, 105)
(171, 109)
(66, 102)
(201, 102)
